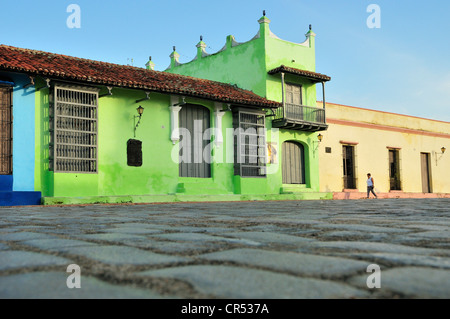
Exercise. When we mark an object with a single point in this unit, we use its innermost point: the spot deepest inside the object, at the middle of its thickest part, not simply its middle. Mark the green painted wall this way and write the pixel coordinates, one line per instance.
(158, 175)
(241, 65)
(246, 65)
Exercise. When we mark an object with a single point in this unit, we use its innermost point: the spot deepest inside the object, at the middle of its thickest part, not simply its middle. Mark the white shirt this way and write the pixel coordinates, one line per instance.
(369, 181)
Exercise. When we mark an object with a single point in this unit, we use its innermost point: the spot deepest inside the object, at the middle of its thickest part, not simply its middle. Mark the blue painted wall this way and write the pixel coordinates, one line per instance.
(20, 184)
(23, 134)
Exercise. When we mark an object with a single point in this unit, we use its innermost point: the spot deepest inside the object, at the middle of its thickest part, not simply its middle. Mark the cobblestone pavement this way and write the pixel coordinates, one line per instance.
(289, 249)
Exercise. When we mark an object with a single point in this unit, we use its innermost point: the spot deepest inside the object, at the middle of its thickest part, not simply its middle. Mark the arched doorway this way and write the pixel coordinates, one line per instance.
(293, 163)
(194, 120)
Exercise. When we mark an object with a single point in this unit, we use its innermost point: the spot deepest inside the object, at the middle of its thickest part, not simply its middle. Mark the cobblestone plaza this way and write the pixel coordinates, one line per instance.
(259, 250)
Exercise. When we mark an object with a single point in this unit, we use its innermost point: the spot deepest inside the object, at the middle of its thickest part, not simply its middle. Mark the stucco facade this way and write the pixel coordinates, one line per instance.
(82, 118)
(265, 65)
(373, 135)
(18, 185)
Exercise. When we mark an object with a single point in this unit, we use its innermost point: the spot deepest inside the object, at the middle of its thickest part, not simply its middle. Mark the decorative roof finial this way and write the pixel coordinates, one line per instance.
(150, 58)
(264, 12)
(310, 27)
(201, 38)
(174, 48)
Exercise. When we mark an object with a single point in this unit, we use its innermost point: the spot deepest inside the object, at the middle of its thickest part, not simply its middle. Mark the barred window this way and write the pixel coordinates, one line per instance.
(250, 144)
(74, 123)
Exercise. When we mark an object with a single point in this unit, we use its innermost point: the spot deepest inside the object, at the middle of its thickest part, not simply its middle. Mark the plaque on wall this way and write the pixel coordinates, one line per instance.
(134, 152)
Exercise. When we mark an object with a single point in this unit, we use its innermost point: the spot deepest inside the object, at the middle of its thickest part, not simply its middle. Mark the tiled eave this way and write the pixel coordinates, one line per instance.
(62, 67)
(313, 76)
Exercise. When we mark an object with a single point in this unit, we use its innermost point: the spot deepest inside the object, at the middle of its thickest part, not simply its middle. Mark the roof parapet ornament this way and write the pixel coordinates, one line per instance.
(150, 65)
(174, 58)
(264, 13)
(201, 49)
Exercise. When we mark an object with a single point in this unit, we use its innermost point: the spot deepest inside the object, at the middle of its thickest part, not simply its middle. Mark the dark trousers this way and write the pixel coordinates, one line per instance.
(370, 189)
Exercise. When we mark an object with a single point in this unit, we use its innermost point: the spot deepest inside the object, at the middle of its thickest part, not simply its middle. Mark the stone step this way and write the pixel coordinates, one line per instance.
(20, 198)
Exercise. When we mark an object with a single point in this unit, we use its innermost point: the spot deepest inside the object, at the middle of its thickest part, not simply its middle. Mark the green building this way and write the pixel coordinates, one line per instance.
(282, 71)
(242, 126)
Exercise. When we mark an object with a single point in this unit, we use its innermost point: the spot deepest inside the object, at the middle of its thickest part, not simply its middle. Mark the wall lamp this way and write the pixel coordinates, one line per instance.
(440, 155)
(140, 110)
(319, 139)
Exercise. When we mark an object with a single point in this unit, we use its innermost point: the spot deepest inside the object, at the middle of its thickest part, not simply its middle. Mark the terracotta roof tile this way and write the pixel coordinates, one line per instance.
(60, 66)
(316, 77)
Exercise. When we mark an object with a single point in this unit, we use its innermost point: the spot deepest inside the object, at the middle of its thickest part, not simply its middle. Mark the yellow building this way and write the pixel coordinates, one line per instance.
(405, 155)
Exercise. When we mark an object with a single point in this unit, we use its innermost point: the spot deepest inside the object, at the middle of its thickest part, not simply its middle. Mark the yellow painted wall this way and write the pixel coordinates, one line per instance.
(371, 150)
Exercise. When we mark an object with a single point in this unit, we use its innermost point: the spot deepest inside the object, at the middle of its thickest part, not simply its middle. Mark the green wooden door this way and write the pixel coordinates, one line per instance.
(293, 163)
(194, 157)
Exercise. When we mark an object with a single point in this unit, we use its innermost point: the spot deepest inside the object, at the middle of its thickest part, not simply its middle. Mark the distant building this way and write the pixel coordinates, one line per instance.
(407, 156)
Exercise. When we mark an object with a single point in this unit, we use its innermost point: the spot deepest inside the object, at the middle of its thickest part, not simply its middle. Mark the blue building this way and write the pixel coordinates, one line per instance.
(17, 138)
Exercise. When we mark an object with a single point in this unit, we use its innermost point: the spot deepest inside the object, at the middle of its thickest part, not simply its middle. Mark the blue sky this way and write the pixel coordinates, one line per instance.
(402, 67)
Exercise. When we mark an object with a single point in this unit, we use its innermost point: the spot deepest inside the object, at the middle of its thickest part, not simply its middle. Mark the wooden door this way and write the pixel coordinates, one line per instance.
(195, 119)
(349, 166)
(293, 94)
(294, 102)
(425, 170)
(293, 164)
(5, 131)
(394, 170)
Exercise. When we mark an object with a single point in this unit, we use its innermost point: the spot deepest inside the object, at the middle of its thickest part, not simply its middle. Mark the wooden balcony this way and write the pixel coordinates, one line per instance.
(300, 117)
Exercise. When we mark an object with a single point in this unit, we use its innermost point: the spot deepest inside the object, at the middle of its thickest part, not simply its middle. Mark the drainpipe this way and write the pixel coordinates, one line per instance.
(282, 94)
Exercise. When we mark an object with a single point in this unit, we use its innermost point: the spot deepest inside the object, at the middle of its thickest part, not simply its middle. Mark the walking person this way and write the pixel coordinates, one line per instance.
(370, 186)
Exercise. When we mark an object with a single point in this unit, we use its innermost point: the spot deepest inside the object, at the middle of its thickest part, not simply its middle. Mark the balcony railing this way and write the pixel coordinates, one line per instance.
(300, 117)
(301, 113)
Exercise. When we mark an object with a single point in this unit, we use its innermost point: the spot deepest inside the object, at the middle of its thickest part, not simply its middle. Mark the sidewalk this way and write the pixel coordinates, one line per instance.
(393, 194)
(273, 249)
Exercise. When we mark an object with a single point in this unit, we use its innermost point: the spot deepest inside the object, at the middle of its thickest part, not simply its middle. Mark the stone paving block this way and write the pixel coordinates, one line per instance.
(142, 225)
(373, 246)
(184, 248)
(11, 229)
(407, 260)
(414, 282)
(121, 255)
(237, 282)
(3, 246)
(52, 285)
(269, 237)
(344, 234)
(197, 237)
(213, 229)
(13, 259)
(365, 228)
(56, 244)
(295, 263)
(132, 230)
(113, 237)
(19, 236)
(427, 227)
(435, 234)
